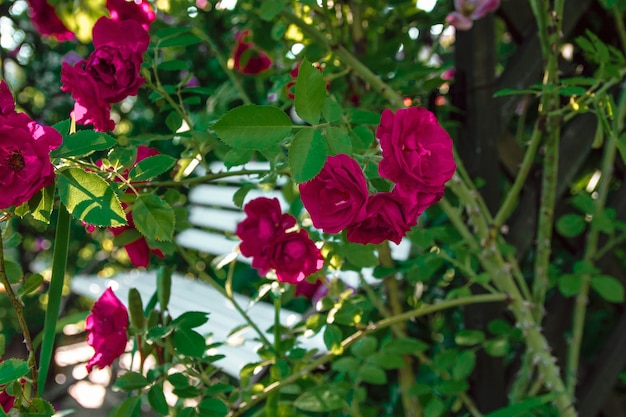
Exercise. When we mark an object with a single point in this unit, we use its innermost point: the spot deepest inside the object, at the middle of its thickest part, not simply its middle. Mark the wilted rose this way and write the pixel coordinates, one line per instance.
(417, 151)
(107, 326)
(337, 196)
(25, 146)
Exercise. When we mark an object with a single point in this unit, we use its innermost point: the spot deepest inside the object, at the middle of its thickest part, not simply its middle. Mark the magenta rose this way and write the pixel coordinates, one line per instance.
(141, 12)
(264, 222)
(247, 57)
(417, 151)
(107, 326)
(110, 74)
(46, 21)
(337, 196)
(25, 146)
(389, 217)
(294, 256)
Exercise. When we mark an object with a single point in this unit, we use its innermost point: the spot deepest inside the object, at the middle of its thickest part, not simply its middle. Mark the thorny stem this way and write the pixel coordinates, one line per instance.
(591, 244)
(550, 23)
(19, 312)
(204, 178)
(412, 407)
(350, 340)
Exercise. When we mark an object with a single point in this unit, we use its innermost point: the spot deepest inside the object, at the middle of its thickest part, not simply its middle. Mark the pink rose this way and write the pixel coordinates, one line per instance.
(107, 326)
(264, 222)
(336, 197)
(389, 217)
(469, 10)
(25, 146)
(46, 21)
(110, 74)
(141, 12)
(247, 57)
(417, 151)
(294, 256)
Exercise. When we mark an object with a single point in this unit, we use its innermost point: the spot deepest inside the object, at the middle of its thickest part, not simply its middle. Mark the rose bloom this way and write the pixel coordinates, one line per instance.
(294, 256)
(247, 57)
(417, 151)
(141, 12)
(469, 10)
(389, 217)
(25, 146)
(107, 326)
(336, 197)
(110, 74)
(46, 21)
(264, 222)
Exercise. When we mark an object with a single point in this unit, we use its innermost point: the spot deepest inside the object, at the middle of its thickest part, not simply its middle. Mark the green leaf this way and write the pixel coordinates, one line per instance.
(153, 217)
(608, 287)
(362, 256)
(434, 408)
(332, 110)
(570, 284)
(270, 9)
(364, 347)
(189, 343)
(386, 361)
(190, 319)
(372, 374)
(621, 146)
(310, 93)
(131, 407)
(89, 198)
(253, 127)
(212, 407)
(346, 364)
(464, 365)
(12, 369)
(496, 347)
(469, 337)
(41, 207)
(307, 155)
(179, 41)
(362, 137)
(333, 338)
(31, 284)
(512, 91)
(173, 65)
(157, 400)
(571, 225)
(151, 167)
(130, 381)
(364, 117)
(13, 271)
(39, 408)
(338, 141)
(82, 143)
(404, 346)
(321, 399)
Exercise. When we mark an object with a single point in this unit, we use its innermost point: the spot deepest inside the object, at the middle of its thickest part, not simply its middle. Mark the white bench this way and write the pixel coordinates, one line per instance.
(214, 217)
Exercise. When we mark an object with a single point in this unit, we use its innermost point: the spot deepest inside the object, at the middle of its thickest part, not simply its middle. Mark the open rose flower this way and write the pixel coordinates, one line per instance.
(46, 21)
(141, 12)
(417, 151)
(25, 146)
(107, 326)
(294, 256)
(247, 57)
(466, 11)
(264, 222)
(337, 196)
(110, 74)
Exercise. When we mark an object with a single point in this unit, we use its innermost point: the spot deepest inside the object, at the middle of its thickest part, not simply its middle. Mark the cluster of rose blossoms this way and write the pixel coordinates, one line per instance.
(268, 237)
(416, 155)
(112, 71)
